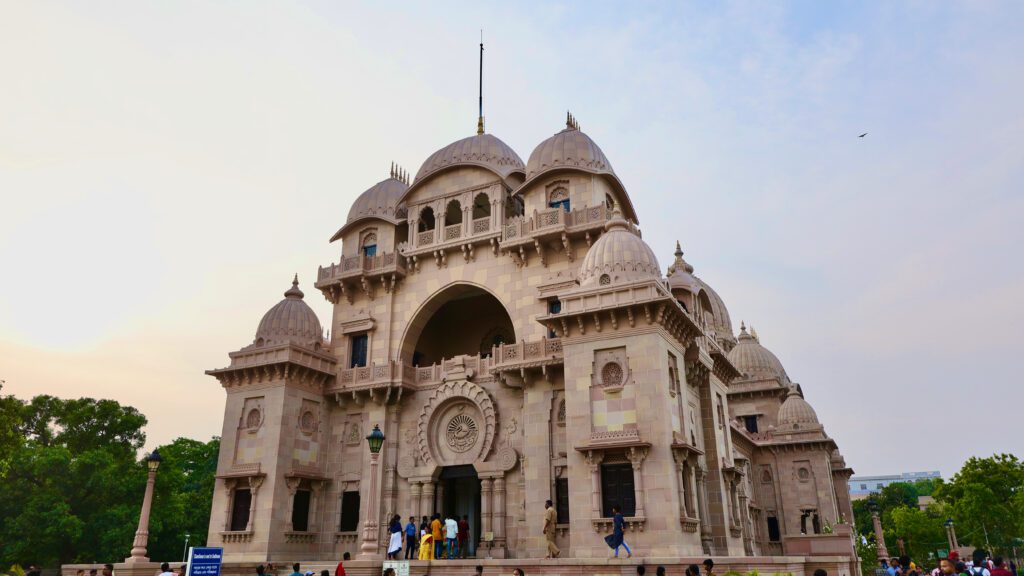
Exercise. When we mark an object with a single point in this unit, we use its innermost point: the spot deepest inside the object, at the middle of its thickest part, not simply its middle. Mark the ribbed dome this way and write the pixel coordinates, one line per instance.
(796, 410)
(290, 320)
(722, 323)
(754, 360)
(619, 255)
(380, 200)
(569, 148)
(481, 150)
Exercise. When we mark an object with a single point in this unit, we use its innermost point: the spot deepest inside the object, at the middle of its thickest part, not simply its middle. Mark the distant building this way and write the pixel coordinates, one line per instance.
(862, 486)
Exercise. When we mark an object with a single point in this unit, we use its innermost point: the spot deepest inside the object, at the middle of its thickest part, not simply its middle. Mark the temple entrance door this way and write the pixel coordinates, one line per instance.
(462, 497)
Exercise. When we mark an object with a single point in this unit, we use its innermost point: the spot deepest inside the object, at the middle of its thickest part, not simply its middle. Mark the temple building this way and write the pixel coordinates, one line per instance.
(515, 339)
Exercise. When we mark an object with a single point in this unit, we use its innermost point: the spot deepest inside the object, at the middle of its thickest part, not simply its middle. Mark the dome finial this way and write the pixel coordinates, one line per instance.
(743, 327)
(754, 333)
(616, 222)
(392, 169)
(294, 291)
(679, 263)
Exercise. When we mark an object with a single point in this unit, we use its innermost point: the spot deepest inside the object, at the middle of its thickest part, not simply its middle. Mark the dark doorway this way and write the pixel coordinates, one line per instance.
(240, 510)
(462, 320)
(617, 489)
(462, 498)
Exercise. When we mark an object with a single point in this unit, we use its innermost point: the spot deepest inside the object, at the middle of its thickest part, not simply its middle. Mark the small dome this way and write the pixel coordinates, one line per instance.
(722, 323)
(619, 255)
(680, 274)
(290, 320)
(482, 150)
(570, 148)
(379, 201)
(754, 360)
(796, 410)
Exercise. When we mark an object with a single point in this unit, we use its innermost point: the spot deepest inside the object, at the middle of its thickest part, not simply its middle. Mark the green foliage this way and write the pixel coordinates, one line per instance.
(868, 554)
(984, 497)
(922, 531)
(73, 484)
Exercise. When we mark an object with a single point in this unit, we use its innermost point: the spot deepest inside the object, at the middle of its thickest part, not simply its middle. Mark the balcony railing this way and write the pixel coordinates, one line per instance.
(361, 265)
(556, 220)
(519, 354)
(453, 232)
(425, 238)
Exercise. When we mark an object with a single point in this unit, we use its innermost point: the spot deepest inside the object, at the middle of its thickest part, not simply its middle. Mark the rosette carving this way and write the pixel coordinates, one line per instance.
(457, 424)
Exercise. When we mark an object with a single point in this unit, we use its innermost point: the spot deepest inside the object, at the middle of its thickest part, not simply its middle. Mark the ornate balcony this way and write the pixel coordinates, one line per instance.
(526, 357)
(360, 273)
(520, 233)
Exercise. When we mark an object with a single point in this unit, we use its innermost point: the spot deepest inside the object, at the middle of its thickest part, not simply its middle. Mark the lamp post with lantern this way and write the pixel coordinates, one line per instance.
(142, 534)
(371, 536)
(951, 535)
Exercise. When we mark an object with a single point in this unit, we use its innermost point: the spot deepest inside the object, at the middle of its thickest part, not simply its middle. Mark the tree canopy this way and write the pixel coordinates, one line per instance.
(73, 483)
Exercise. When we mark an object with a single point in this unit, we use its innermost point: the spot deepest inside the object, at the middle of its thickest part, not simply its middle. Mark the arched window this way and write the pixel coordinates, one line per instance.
(453, 213)
(559, 198)
(370, 244)
(481, 206)
(609, 202)
(514, 206)
(426, 220)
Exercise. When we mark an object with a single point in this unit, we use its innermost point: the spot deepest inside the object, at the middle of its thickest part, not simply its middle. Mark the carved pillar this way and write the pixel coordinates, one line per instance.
(371, 533)
(254, 485)
(681, 482)
(316, 488)
(486, 486)
(499, 511)
(427, 499)
(883, 552)
(293, 487)
(439, 499)
(636, 458)
(748, 540)
(594, 461)
(415, 494)
(706, 539)
(229, 490)
(691, 486)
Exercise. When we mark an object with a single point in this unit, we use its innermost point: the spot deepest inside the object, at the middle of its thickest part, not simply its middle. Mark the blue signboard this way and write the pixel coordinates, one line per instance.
(204, 561)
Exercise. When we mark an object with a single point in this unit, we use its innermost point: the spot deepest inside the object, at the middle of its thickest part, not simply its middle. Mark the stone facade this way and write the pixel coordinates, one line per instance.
(514, 338)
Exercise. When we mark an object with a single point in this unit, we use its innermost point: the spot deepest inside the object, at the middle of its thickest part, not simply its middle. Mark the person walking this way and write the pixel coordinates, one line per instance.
(396, 532)
(451, 529)
(411, 539)
(692, 570)
(617, 538)
(709, 567)
(165, 570)
(295, 570)
(550, 520)
(464, 537)
(426, 545)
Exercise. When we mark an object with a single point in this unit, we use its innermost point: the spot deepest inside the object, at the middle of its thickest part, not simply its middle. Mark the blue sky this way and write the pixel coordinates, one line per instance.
(166, 167)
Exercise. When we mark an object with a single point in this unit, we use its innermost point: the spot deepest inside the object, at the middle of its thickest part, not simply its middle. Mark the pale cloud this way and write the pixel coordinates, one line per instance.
(165, 168)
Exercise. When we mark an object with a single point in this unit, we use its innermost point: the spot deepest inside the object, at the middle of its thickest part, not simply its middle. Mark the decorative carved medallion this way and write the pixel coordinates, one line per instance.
(457, 425)
(462, 432)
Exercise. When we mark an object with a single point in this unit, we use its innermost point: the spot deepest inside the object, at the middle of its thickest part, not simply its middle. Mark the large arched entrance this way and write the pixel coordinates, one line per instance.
(461, 319)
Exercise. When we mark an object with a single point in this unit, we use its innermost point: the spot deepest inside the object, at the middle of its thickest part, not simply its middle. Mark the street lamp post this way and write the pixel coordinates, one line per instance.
(142, 534)
(371, 536)
(184, 555)
(883, 552)
(951, 535)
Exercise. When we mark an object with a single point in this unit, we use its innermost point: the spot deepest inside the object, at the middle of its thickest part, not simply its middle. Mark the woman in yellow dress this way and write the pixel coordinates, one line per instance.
(427, 546)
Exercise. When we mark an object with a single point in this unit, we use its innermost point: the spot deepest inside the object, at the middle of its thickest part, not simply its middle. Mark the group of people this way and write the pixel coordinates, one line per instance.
(979, 565)
(435, 538)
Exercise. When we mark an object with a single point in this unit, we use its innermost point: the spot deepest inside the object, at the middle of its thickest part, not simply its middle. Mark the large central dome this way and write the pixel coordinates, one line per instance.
(482, 150)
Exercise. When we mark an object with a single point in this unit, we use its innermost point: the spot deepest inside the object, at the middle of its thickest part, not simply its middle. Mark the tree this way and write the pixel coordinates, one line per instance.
(922, 531)
(984, 498)
(183, 496)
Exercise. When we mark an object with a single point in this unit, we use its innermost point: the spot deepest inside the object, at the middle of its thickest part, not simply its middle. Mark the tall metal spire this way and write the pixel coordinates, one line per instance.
(480, 117)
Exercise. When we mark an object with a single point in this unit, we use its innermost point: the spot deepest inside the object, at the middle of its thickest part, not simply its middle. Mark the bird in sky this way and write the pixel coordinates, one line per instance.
(862, 135)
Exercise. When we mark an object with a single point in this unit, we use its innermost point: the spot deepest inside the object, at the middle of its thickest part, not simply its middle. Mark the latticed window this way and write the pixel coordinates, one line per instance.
(611, 374)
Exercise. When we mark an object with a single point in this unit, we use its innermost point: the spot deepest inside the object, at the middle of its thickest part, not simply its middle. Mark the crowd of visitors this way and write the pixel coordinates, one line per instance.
(980, 564)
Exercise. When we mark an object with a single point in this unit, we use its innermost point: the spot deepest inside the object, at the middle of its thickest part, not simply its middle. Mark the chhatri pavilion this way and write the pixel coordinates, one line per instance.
(513, 337)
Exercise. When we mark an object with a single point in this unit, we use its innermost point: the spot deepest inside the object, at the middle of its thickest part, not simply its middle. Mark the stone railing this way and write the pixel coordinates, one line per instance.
(557, 220)
(633, 524)
(543, 351)
(481, 226)
(236, 537)
(453, 232)
(360, 265)
(300, 537)
(425, 238)
(394, 371)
